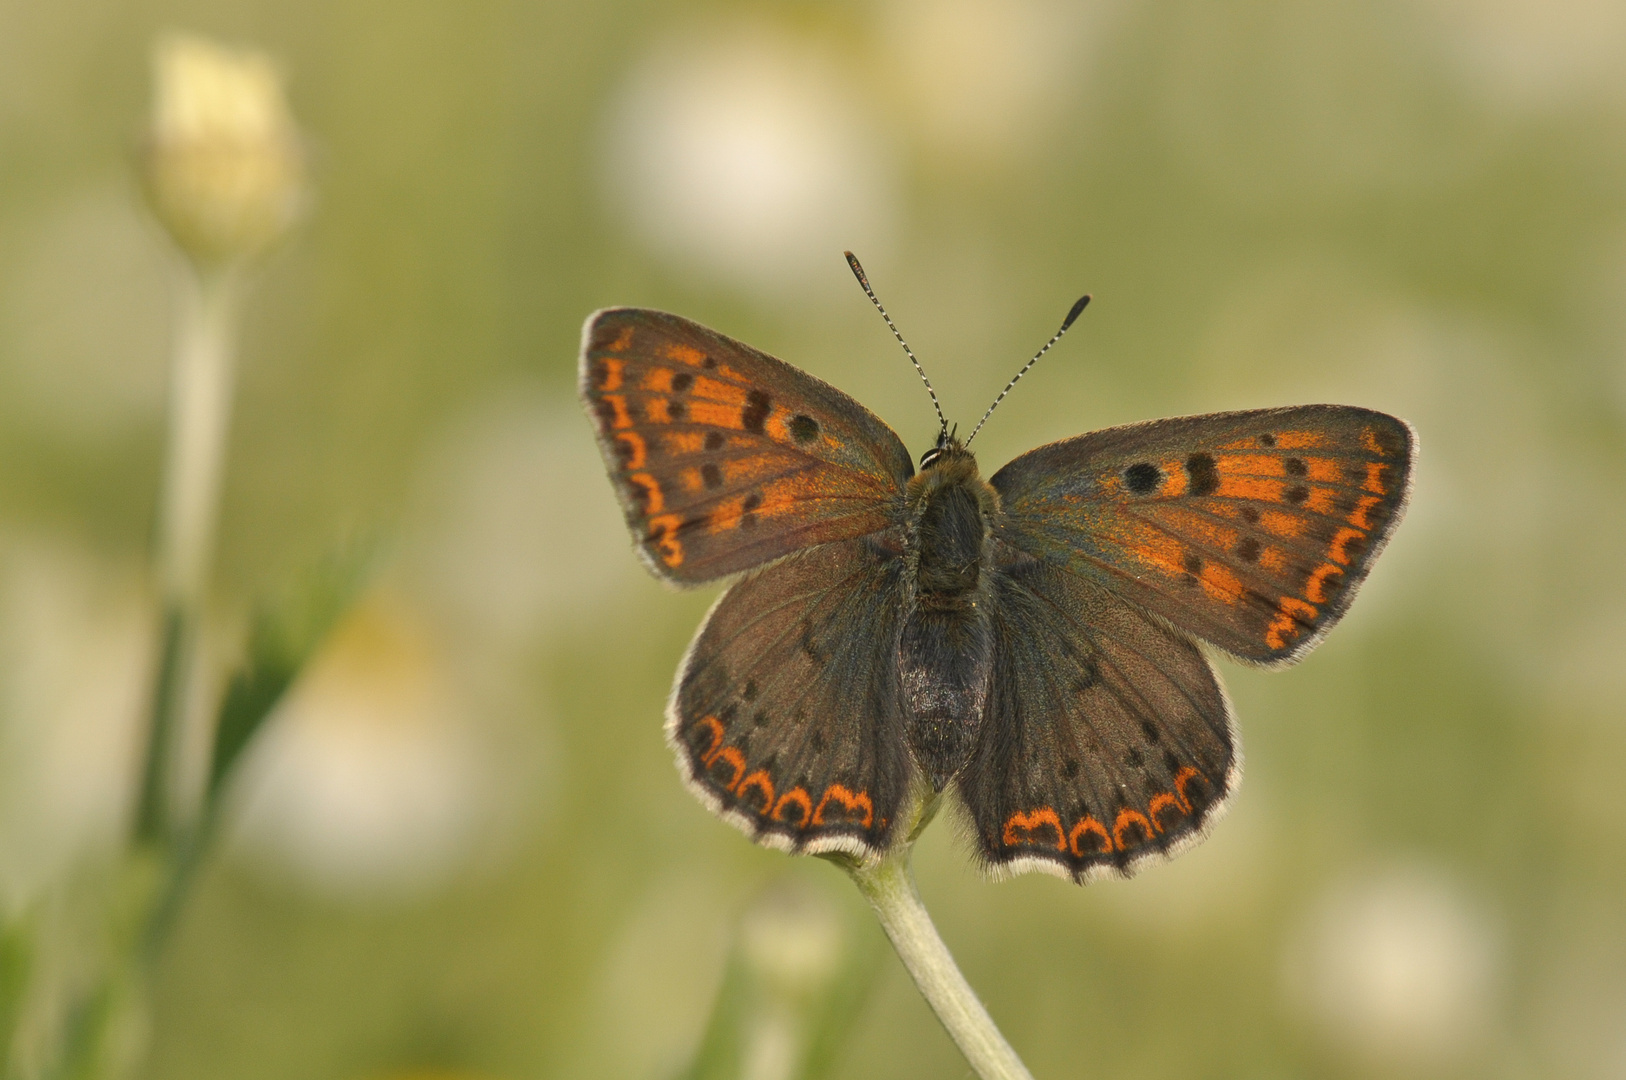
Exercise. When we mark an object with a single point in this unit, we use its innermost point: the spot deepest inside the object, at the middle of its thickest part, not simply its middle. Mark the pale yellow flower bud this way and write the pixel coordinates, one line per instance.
(225, 168)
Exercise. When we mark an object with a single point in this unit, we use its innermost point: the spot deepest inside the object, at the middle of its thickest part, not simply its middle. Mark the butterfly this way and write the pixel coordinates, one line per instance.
(1030, 639)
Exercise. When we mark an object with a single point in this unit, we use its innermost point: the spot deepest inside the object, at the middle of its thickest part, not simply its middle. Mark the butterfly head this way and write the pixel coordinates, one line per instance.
(947, 444)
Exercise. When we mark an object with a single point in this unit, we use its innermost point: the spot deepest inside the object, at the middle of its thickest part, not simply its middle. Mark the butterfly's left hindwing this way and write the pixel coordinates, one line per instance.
(1107, 742)
(724, 457)
(1250, 530)
(787, 713)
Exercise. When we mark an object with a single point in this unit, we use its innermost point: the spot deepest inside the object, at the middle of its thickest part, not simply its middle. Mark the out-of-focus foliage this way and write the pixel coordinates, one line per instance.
(460, 847)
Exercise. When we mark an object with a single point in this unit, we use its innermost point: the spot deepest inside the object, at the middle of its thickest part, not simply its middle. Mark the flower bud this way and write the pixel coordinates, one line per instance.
(225, 169)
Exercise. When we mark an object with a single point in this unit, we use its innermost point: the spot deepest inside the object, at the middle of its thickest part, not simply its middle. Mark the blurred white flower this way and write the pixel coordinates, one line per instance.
(984, 77)
(372, 776)
(225, 169)
(519, 534)
(75, 646)
(743, 153)
(1401, 966)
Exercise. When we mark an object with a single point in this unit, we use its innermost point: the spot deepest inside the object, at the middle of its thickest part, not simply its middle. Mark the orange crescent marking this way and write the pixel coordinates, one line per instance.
(1126, 818)
(1185, 776)
(1162, 801)
(640, 452)
(1284, 621)
(691, 480)
(1273, 559)
(1093, 827)
(799, 797)
(683, 354)
(622, 340)
(684, 442)
(1374, 478)
(716, 727)
(654, 501)
(655, 411)
(763, 783)
(659, 380)
(849, 800)
(733, 756)
(1335, 550)
(1357, 517)
(1312, 587)
(1320, 500)
(1028, 821)
(664, 537)
(612, 373)
(1369, 440)
(618, 404)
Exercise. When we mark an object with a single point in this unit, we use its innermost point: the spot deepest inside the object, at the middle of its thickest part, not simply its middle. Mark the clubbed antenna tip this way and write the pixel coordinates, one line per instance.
(858, 272)
(1077, 310)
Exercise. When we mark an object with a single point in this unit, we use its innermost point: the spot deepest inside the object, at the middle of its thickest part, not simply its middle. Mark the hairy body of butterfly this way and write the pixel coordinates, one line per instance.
(1028, 639)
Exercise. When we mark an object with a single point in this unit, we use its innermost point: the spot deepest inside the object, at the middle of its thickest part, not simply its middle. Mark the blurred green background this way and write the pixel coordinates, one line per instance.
(463, 846)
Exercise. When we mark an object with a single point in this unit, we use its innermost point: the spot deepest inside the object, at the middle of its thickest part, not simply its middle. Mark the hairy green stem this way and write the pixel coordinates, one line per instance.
(889, 886)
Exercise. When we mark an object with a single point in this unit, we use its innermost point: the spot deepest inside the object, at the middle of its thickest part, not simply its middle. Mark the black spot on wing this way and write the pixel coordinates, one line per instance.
(757, 407)
(1201, 471)
(1142, 477)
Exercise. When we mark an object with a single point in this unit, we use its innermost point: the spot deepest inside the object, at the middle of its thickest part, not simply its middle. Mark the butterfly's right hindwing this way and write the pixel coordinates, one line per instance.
(724, 457)
(787, 714)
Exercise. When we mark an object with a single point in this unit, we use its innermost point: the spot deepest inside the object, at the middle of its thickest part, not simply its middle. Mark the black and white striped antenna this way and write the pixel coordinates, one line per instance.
(1077, 310)
(858, 272)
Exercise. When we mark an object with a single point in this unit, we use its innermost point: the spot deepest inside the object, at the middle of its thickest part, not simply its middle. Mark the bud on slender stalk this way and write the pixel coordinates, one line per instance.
(224, 166)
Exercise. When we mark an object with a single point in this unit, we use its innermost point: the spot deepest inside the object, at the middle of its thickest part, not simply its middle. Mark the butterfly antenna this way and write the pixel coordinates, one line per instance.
(858, 272)
(1078, 309)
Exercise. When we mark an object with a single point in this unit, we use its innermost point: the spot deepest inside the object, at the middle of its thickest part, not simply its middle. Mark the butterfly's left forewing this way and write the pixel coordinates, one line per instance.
(1250, 530)
(724, 457)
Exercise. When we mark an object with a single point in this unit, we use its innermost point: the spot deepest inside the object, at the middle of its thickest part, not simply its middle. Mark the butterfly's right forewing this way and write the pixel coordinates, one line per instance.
(724, 457)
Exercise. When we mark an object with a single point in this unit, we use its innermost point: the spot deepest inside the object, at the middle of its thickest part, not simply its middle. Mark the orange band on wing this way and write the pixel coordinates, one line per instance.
(852, 804)
(799, 797)
(1035, 828)
(1126, 819)
(1089, 827)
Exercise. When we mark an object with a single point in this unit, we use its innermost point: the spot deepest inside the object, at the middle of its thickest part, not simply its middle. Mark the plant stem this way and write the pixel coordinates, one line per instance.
(200, 412)
(889, 886)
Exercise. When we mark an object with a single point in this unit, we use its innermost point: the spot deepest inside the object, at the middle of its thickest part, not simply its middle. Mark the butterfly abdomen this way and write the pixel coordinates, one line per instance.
(945, 653)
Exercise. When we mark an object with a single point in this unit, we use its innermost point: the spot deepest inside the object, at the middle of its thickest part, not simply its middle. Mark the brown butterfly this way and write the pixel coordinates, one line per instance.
(1029, 639)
